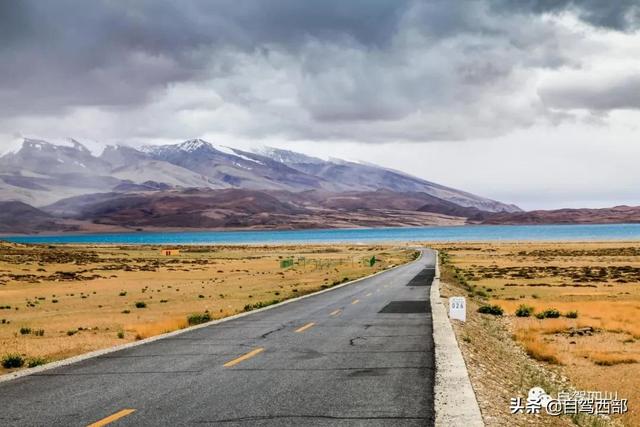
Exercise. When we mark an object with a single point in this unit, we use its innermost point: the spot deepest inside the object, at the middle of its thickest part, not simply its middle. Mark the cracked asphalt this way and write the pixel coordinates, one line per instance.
(348, 364)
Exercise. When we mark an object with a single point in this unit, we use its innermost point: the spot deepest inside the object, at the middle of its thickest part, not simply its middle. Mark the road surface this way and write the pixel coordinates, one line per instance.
(358, 355)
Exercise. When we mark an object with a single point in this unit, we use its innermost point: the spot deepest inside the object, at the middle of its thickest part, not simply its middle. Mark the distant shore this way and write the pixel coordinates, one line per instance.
(469, 233)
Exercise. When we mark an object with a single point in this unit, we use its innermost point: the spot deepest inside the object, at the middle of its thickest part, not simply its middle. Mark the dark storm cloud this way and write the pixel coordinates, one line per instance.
(370, 70)
(614, 14)
(57, 54)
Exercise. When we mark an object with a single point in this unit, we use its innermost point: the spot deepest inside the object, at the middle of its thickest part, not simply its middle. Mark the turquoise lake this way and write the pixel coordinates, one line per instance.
(406, 234)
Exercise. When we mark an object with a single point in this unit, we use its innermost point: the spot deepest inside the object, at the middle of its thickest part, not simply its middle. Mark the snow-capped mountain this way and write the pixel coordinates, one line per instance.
(44, 157)
(233, 168)
(348, 176)
(41, 173)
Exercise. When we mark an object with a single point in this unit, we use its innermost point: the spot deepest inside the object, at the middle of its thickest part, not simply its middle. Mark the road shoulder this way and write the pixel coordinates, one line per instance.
(455, 401)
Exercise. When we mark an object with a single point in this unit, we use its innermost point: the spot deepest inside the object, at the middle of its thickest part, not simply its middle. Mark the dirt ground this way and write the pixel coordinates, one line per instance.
(60, 301)
(594, 344)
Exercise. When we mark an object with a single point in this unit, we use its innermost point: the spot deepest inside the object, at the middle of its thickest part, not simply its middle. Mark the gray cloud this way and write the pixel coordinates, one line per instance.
(617, 14)
(593, 92)
(366, 70)
(107, 53)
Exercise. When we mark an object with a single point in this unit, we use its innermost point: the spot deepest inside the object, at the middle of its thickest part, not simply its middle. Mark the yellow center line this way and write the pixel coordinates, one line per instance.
(243, 357)
(305, 327)
(355, 301)
(112, 418)
(335, 312)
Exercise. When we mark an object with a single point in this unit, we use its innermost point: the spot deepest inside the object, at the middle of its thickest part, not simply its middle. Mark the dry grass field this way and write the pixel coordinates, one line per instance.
(60, 301)
(593, 288)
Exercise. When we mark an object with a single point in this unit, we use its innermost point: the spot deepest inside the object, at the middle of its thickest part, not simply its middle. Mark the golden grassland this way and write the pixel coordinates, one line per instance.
(597, 350)
(60, 301)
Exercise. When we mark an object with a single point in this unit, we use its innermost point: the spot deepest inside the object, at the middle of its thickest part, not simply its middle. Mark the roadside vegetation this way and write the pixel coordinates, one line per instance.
(60, 301)
(556, 315)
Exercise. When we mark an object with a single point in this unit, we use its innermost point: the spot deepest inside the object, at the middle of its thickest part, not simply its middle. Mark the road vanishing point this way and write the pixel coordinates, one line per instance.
(361, 354)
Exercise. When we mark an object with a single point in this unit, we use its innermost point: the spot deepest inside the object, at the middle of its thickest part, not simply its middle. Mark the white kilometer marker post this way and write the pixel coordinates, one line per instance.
(458, 308)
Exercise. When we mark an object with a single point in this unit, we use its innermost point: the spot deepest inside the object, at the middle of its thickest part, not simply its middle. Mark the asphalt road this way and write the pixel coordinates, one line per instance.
(358, 355)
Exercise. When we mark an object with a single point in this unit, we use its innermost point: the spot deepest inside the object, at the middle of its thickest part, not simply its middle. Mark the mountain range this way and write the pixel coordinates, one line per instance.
(46, 187)
(41, 173)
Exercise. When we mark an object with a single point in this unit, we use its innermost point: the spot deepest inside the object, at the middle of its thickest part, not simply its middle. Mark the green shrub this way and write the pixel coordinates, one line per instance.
(39, 332)
(524, 311)
(12, 361)
(72, 332)
(36, 361)
(571, 314)
(121, 335)
(495, 310)
(198, 318)
(126, 311)
(141, 304)
(551, 313)
(122, 294)
(25, 331)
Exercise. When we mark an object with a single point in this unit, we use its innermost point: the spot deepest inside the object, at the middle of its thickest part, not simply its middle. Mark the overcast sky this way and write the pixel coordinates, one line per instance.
(531, 102)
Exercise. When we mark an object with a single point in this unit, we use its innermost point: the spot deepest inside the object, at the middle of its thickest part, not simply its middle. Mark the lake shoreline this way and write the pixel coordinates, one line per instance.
(454, 233)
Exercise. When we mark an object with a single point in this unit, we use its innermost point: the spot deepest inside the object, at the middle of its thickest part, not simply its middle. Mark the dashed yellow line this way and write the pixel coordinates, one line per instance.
(355, 301)
(305, 327)
(243, 357)
(112, 418)
(335, 312)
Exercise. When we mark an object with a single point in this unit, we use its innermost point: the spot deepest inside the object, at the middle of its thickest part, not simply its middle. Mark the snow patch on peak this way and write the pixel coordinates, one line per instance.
(193, 145)
(225, 150)
(37, 144)
(150, 149)
(11, 147)
(186, 146)
(285, 156)
(78, 146)
(236, 153)
(55, 145)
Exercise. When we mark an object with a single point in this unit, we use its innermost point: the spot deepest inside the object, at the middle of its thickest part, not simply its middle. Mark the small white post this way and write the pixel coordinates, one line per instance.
(458, 308)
